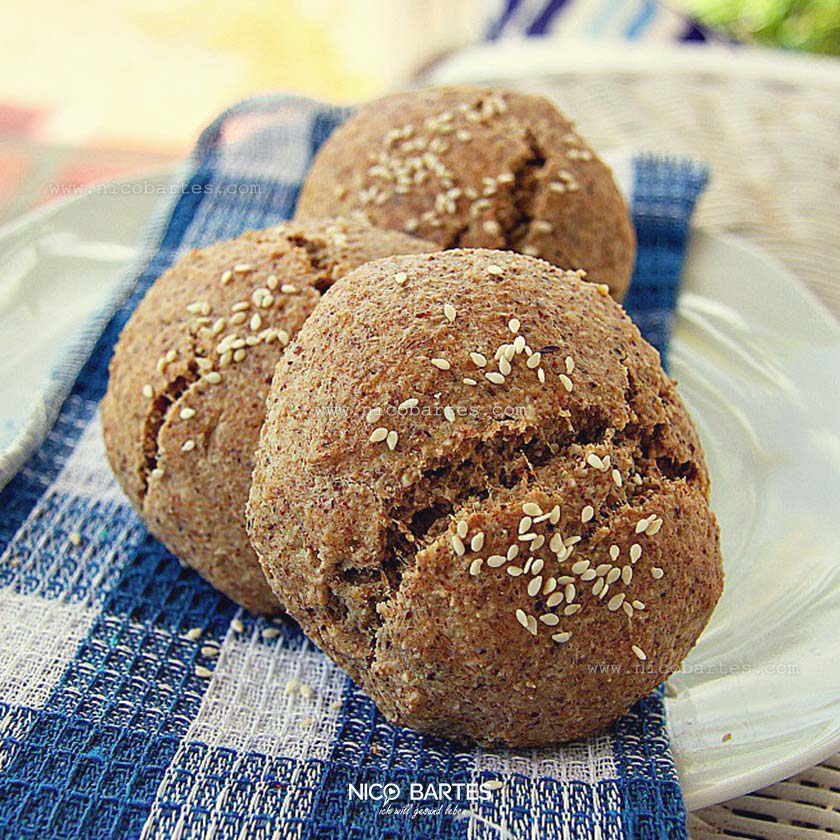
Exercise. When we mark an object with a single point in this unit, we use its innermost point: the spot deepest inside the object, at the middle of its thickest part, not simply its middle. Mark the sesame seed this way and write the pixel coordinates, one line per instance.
(495, 377)
(478, 359)
(616, 477)
(201, 671)
(550, 619)
(291, 686)
(594, 461)
(461, 529)
(243, 268)
(560, 638)
(494, 561)
(147, 391)
(255, 322)
(603, 593)
(449, 312)
(400, 278)
(550, 586)
(441, 364)
(639, 653)
(571, 609)
(491, 227)
(218, 326)
(458, 545)
(493, 784)
(627, 575)
(602, 569)
(566, 382)
(597, 587)
(638, 605)
(193, 634)
(642, 524)
(570, 592)
(580, 567)
(614, 552)
(509, 352)
(531, 251)
(522, 618)
(532, 509)
(494, 270)
(504, 366)
(289, 289)
(554, 516)
(449, 413)
(657, 573)
(513, 552)
(477, 542)
(653, 528)
(541, 375)
(513, 325)
(237, 626)
(187, 413)
(635, 552)
(225, 279)
(554, 599)
(542, 226)
(391, 440)
(272, 282)
(514, 571)
(157, 473)
(468, 380)
(238, 318)
(378, 435)
(587, 513)
(534, 360)
(373, 415)
(537, 565)
(538, 543)
(615, 602)
(613, 575)
(588, 575)
(475, 566)
(306, 691)
(239, 355)
(534, 586)
(532, 625)
(209, 651)
(556, 544)
(188, 446)
(405, 405)
(270, 633)
(527, 537)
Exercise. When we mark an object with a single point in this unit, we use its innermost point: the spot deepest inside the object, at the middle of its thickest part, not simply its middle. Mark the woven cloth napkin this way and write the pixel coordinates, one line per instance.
(114, 721)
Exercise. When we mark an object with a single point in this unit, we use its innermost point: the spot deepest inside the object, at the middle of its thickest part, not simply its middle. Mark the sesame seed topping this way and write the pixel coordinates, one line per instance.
(243, 268)
(306, 691)
(570, 592)
(613, 575)
(405, 405)
(522, 618)
(193, 634)
(614, 552)
(477, 542)
(657, 573)
(461, 529)
(147, 391)
(554, 599)
(594, 461)
(597, 587)
(556, 544)
(615, 602)
(449, 413)
(270, 633)
(639, 653)
(532, 509)
(642, 524)
(560, 638)
(513, 325)
(289, 289)
(653, 528)
(587, 513)
(588, 575)
(514, 571)
(616, 477)
(571, 609)
(478, 359)
(580, 567)
(534, 586)
(627, 575)
(391, 440)
(201, 671)
(292, 686)
(534, 360)
(475, 566)
(187, 413)
(537, 566)
(494, 270)
(400, 278)
(458, 545)
(549, 619)
(210, 651)
(513, 552)
(527, 537)
(255, 322)
(188, 446)
(449, 312)
(566, 382)
(532, 625)
(541, 375)
(504, 366)
(238, 318)
(495, 377)
(468, 380)
(635, 552)
(373, 415)
(237, 626)
(226, 276)
(378, 435)
(441, 364)
(494, 561)
(272, 282)
(157, 473)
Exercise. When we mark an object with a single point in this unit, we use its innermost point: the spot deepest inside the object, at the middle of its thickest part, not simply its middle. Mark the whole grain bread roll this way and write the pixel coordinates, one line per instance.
(189, 376)
(479, 493)
(477, 168)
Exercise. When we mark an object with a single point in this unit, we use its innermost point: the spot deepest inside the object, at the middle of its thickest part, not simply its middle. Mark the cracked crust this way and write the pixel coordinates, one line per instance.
(394, 162)
(362, 542)
(193, 501)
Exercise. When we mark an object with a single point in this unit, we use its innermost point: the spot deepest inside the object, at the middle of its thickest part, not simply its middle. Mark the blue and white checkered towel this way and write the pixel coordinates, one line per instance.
(110, 726)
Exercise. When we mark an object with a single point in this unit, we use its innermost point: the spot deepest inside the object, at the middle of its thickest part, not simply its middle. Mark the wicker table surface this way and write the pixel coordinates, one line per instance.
(769, 128)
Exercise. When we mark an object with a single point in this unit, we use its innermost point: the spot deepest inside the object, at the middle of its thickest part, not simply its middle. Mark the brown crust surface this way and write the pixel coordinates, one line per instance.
(477, 168)
(162, 394)
(375, 550)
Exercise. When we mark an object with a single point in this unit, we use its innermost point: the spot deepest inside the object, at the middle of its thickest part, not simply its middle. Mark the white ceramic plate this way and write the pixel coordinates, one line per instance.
(757, 360)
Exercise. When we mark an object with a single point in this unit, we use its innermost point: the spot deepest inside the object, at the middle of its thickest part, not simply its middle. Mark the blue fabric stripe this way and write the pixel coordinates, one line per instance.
(541, 23)
(642, 20)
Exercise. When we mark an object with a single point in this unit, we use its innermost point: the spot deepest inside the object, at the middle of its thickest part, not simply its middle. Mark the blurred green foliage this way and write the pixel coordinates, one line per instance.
(811, 25)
